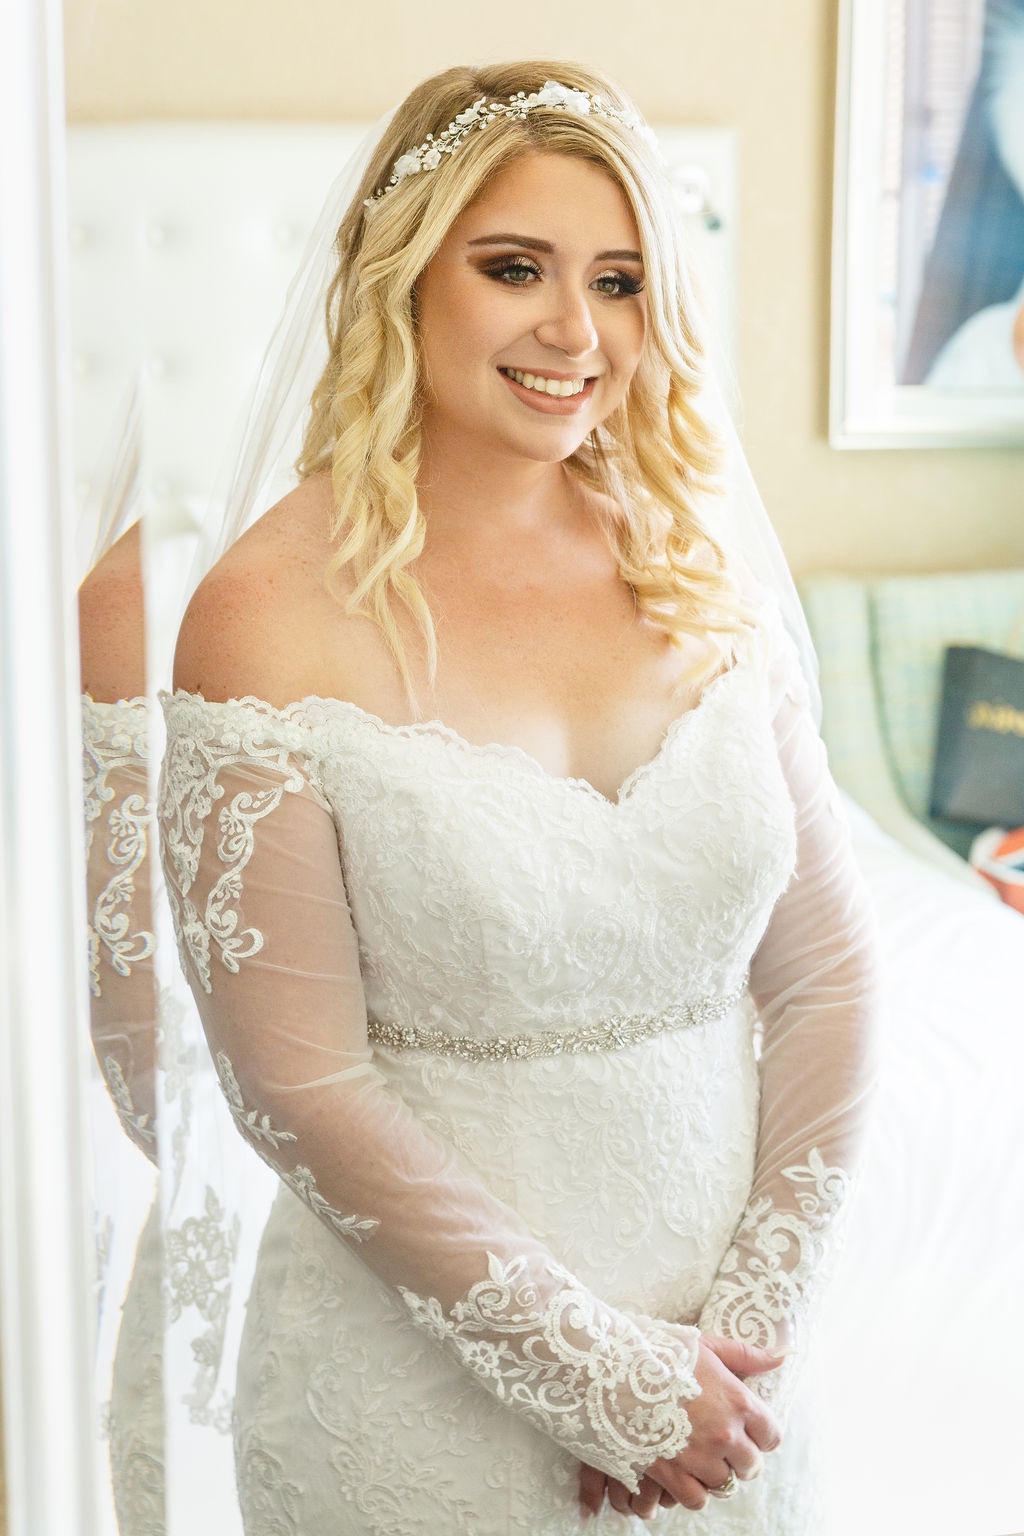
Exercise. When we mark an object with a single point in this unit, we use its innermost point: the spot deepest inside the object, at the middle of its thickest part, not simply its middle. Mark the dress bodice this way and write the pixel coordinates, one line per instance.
(488, 894)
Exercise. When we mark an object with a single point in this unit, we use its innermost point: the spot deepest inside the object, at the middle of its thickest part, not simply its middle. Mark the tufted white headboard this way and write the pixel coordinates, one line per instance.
(184, 238)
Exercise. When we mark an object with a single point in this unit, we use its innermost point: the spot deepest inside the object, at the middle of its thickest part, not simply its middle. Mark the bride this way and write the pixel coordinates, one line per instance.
(555, 1019)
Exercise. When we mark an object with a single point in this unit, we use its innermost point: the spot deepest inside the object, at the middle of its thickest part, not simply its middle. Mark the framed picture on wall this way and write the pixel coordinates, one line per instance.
(927, 344)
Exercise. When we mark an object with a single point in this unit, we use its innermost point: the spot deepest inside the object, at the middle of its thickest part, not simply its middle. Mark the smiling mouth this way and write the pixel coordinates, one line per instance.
(558, 389)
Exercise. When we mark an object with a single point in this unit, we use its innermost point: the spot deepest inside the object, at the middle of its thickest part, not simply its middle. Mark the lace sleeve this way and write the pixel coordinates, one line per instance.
(256, 884)
(118, 813)
(814, 981)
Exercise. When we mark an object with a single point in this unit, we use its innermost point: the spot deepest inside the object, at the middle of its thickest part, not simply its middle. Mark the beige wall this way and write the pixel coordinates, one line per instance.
(767, 68)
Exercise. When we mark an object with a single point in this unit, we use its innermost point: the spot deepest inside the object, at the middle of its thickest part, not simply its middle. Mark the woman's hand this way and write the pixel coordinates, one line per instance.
(730, 1431)
(594, 1485)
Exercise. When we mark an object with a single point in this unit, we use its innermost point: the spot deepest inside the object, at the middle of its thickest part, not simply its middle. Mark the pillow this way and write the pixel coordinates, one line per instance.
(913, 620)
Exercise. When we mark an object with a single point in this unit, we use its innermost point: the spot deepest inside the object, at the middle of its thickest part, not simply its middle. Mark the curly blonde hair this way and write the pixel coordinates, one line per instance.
(656, 458)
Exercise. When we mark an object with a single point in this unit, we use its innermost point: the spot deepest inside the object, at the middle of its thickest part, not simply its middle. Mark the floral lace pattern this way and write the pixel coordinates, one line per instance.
(567, 1368)
(137, 1125)
(190, 790)
(257, 1129)
(426, 958)
(115, 738)
(198, 1256)
(776, 1267)
(139, 1482)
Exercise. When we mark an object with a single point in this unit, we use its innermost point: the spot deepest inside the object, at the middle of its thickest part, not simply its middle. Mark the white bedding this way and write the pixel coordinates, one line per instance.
(924, 1318)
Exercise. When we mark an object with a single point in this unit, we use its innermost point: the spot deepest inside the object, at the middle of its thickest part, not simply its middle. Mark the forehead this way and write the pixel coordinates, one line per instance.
(544, 193)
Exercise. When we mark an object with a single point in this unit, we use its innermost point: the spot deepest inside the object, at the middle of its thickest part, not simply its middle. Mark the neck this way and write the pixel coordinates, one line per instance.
(470, 496)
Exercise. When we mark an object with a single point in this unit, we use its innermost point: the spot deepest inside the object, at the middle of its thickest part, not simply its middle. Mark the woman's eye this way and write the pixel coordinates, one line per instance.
(516, 271)
(618, 284)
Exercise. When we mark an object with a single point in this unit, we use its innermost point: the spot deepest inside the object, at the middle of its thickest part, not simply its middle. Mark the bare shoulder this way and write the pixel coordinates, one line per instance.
(112, 623)
(252, 623)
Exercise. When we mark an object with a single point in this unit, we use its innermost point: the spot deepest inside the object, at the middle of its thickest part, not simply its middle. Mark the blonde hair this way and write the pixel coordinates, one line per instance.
(655, 457)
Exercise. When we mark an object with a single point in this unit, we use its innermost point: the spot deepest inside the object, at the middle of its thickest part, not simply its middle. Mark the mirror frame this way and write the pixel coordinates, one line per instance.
(47, 1325)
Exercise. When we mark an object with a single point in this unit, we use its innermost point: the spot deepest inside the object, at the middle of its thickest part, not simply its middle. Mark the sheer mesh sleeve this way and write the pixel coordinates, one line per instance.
(814, 982)
(256, 883)
(118, 814)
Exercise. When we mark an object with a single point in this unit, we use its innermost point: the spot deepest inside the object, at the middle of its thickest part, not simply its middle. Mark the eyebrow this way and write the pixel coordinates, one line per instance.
(547, 248)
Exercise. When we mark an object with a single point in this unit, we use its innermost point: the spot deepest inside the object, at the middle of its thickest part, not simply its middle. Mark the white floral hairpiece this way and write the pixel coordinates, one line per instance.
(427, 156)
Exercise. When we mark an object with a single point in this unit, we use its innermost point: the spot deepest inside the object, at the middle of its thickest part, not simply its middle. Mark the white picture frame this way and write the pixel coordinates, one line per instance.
(871, 403)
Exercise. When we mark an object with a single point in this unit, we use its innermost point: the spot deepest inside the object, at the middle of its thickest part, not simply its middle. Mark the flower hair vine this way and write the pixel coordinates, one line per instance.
(427, 156)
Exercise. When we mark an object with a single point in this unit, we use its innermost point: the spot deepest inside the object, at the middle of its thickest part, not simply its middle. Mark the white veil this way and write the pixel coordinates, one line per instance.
(261, 468)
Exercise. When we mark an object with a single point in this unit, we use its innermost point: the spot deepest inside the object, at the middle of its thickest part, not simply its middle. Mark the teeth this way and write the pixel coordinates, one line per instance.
(560, 388)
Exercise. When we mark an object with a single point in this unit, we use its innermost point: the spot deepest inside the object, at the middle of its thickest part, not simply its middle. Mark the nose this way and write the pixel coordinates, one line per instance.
(567, 323)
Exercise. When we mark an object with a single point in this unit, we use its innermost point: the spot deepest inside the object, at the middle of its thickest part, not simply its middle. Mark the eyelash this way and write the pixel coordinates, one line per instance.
(508, 267)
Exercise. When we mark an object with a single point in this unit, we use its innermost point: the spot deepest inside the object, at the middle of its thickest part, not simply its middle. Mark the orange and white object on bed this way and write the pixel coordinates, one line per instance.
(999, 856)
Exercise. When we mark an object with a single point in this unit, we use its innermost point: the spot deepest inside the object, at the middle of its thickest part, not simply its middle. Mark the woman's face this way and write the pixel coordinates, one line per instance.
(532, 314)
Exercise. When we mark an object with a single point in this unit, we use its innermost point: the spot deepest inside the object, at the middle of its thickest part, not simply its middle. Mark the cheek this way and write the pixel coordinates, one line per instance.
(640, 335)
(464, 332)
(630, 341)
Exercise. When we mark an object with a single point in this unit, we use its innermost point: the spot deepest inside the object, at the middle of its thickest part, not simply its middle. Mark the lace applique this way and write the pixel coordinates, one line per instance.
(258, 1130)
(114, 738)
(139, 1484)
(199, 1259)
(189, 790)
(271, 1500)
(103, 1234)
(587, 1377)
(253, 1126)
(778, 1260)
(357, 1228)
(178, 1056)
(137, 1126)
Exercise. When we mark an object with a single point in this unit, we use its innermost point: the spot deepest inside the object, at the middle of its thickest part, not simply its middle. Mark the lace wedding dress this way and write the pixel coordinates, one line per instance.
(547, 1079)
(123, 1029)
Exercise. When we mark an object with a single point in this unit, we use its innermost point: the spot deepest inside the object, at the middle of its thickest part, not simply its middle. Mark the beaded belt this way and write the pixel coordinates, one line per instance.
(611, 1034)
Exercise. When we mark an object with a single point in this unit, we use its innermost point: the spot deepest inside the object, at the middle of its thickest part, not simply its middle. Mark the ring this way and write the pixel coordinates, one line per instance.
(727, 1489)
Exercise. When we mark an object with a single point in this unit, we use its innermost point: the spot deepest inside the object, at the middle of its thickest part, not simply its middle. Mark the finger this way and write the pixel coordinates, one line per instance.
(691, 1494)
(645, 1503)
(743, 1359)
(618, 1496)
(591, 1490)
(749, 1472)
(762, 1428)
(680, 1486)
(742, 1457)
(711, 1471)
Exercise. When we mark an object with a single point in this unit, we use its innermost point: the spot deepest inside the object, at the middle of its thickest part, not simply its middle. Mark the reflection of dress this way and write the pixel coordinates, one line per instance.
(431, 1388)
(123, 1008)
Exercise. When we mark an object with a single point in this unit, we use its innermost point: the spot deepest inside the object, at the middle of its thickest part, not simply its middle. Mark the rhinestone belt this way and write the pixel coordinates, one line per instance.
(611, 1034)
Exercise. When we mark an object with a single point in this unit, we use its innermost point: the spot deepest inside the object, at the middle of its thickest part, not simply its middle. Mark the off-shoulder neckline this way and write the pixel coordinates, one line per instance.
(438, 730)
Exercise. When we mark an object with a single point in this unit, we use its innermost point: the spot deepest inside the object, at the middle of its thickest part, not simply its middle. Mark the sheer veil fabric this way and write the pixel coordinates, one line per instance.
(538, 1083)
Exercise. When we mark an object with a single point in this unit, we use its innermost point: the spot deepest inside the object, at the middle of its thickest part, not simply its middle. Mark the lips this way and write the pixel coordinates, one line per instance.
(547, 384)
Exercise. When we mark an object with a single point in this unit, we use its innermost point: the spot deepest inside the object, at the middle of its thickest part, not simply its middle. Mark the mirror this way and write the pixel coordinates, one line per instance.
(45, 1304)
